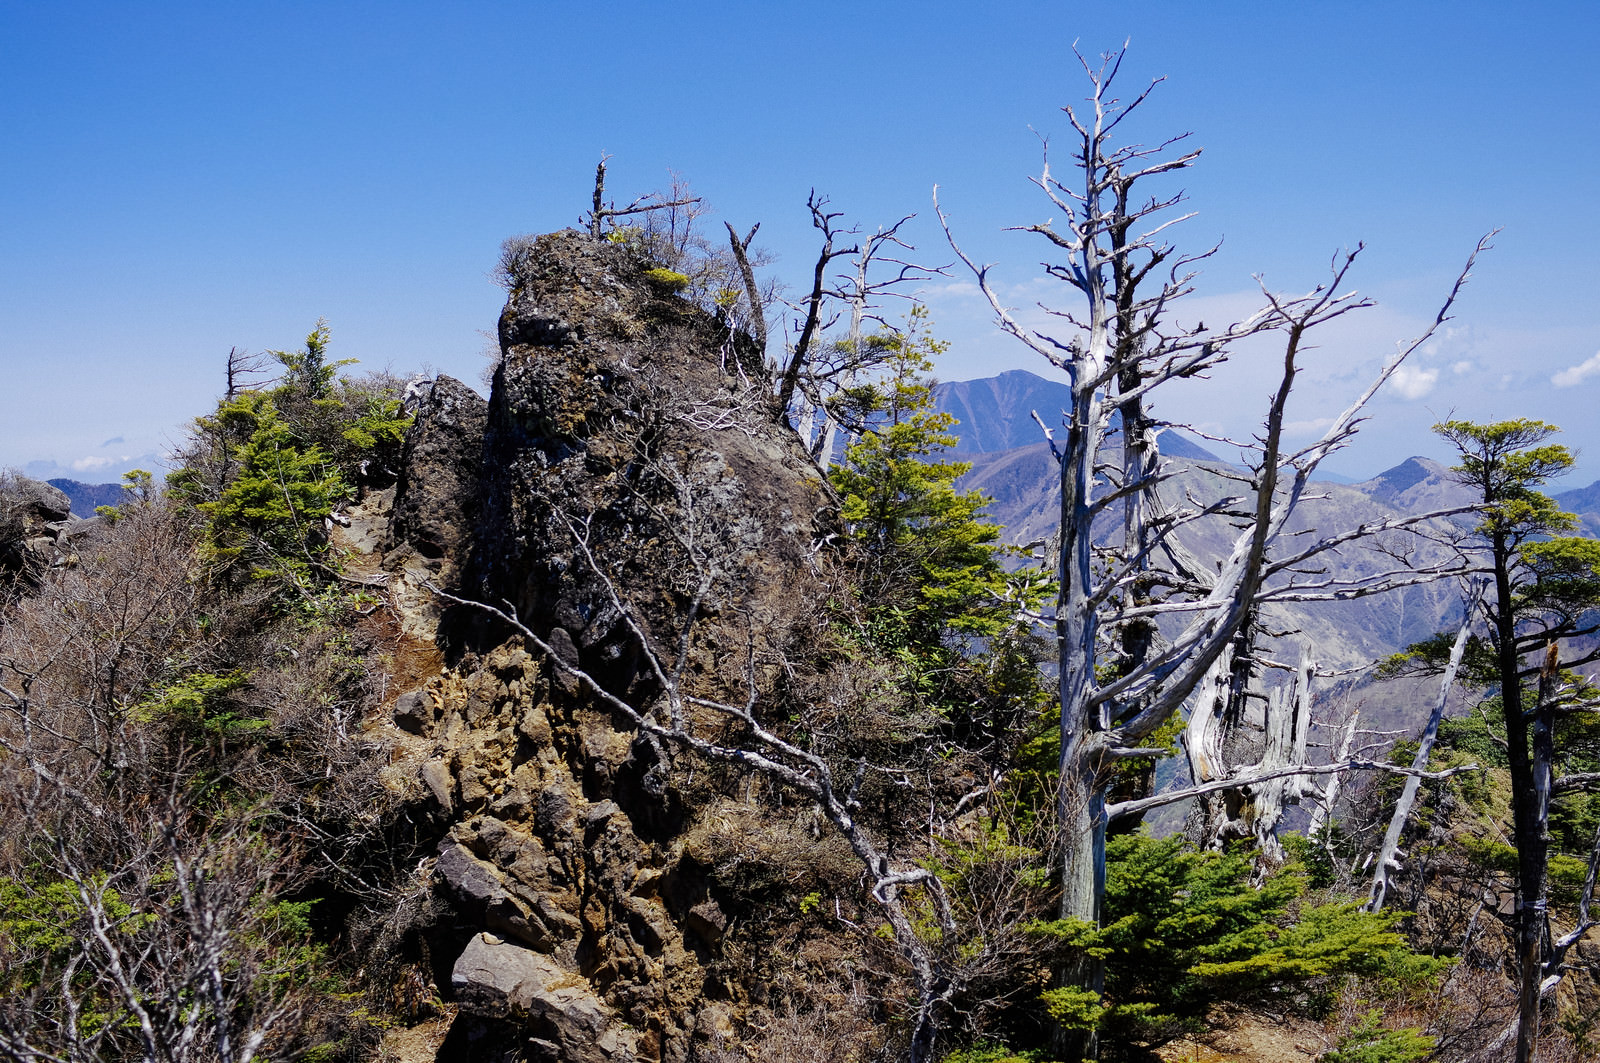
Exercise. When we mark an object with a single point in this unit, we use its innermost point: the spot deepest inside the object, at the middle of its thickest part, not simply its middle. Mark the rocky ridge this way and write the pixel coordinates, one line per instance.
(629, 494)
(37, 528)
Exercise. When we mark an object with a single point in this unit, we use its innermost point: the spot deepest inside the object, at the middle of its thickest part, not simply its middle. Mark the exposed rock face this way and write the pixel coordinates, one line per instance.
(435, 499)
(622, 409)
(435, 502)
(630, 470)
(32, 517)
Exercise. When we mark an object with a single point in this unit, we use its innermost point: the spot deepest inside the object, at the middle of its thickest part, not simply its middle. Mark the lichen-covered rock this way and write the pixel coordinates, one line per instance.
(435, 502)
(435, 507)
(632, 475)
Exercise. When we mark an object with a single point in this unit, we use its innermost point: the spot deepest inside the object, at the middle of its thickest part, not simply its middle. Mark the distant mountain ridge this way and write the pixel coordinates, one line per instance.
(996, 414)
(1013, 465)
(86, 497)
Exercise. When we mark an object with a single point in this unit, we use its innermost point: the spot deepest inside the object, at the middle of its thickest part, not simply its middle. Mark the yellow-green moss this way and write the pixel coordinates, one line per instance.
(668, 279)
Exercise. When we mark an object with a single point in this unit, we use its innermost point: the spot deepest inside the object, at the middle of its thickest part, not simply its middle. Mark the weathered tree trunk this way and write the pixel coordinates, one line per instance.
(1388, 854)
(752, 290)
(1122, 345)
(1288, 729)
(1081, 800)
(1527, 824)
(1224, 740)
(1328, 798)
(1209, 736)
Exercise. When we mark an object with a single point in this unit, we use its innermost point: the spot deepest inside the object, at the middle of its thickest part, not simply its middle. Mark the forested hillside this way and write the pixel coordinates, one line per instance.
(697, 696)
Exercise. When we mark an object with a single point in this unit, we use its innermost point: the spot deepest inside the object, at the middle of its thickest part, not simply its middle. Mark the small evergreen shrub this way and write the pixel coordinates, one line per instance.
(1369, 1042)
(669, 279)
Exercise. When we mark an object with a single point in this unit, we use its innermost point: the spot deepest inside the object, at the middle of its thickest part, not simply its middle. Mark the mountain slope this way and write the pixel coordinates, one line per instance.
(1023, 484)
(996, 414)
(85, 497)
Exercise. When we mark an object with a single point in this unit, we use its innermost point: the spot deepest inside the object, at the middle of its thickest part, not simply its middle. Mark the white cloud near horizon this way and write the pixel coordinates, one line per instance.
(1413, 382)
(1572, 376)
(1313, 427)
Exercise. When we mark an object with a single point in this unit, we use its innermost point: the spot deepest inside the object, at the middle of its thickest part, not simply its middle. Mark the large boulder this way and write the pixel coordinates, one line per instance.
(32, 514)
(564, 1019)
(45, 502)
(435, 508)
(634, 474)
(435, 501)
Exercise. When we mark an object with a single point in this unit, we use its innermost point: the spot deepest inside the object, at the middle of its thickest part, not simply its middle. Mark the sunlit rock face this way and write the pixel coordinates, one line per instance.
(632, 472)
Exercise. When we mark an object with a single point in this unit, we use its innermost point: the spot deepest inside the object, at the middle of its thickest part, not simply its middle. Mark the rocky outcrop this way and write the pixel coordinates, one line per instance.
(624, 415)
(435, 502)
(435, 509)
(33, 517)
(632, 477)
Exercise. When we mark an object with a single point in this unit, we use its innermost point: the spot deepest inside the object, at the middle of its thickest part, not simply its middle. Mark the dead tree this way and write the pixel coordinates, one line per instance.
(814, 304)
(245, 371)
(1318, 826)
(1229, 706)
(1118, 348)
(752, 290)
(603, 213)
(1389, 853)
(815, 369)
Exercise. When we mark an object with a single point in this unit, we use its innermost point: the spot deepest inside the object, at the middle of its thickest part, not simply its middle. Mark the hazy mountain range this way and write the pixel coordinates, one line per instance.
(86, 497)
(1013, 465)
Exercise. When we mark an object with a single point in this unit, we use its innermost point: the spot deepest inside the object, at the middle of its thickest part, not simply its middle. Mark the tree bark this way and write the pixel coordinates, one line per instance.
(1387, 855)
(1527, 827)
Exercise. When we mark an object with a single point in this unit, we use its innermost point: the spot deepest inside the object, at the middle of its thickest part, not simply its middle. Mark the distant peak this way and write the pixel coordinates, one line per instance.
(1406, 475)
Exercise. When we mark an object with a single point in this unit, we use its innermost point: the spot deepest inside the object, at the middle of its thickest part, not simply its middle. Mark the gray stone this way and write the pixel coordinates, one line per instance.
(495, 979)
(47, 502)
(480, 890)
(413, 711)
(70, 531)
(436, 776)
(435, 502)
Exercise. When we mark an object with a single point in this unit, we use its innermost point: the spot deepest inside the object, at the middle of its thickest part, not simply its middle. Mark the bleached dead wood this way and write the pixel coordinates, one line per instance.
(1116, 348)
(1389, 852)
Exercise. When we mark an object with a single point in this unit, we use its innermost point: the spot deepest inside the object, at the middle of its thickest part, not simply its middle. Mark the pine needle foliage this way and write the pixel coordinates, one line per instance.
(1185, 930)
(268, 467)
(925, 552)
(932, 595)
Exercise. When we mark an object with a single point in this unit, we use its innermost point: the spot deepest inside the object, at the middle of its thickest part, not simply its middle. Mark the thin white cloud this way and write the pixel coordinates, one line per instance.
(954, 289)
(1462, 368)
(1413, 382)
(1577, 374)
(91, 463)
(1313, 427)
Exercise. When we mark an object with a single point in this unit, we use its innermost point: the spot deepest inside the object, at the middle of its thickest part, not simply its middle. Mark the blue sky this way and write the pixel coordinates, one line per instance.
(176, 179)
